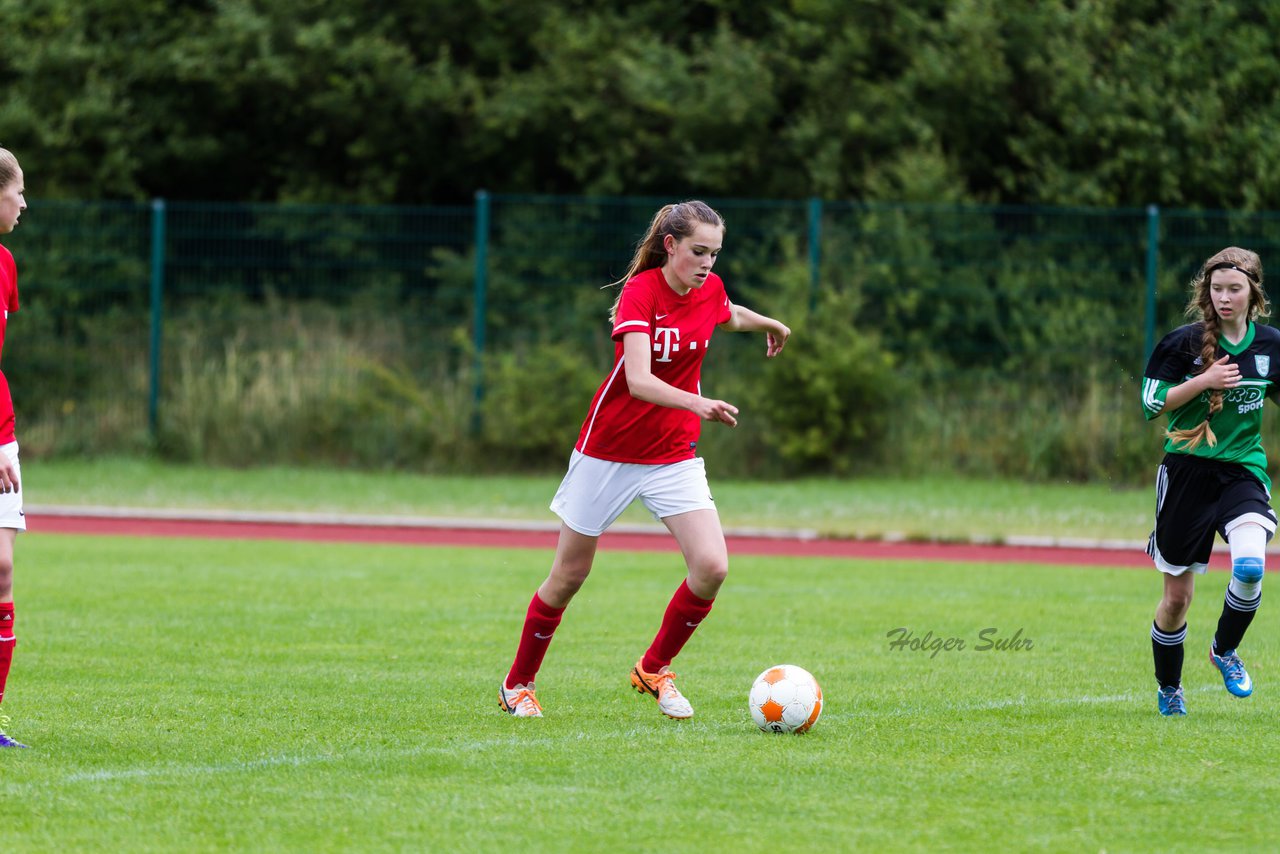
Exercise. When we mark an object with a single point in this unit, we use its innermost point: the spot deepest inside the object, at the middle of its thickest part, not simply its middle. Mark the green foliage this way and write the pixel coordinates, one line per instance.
(391, 418)
(307, 383)
(535, 399)
(1002, 341)
(81, 335)
(1088, 430)
(831, 396)
(1055, 102)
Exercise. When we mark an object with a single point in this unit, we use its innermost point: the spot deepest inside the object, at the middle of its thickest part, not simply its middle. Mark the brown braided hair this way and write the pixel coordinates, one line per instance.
(1200, 307)
(678, 220)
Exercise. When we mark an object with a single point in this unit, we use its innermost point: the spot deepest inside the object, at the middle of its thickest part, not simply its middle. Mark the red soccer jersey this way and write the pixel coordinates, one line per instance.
(624, 429)
(9, 304)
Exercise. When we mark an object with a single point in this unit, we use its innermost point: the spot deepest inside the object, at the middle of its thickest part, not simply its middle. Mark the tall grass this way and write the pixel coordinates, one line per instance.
(310, 384)
(1095, 433)
(970, 423)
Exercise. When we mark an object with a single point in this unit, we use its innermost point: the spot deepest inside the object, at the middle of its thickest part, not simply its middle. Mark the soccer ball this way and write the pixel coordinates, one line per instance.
(786, 698)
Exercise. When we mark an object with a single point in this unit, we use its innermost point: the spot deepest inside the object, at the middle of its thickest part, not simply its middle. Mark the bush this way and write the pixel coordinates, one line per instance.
(534, 401)
(830, 399)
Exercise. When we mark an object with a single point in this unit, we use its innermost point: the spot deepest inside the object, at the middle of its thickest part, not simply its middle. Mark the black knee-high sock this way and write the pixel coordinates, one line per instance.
(1237, 614)
(1167, 649)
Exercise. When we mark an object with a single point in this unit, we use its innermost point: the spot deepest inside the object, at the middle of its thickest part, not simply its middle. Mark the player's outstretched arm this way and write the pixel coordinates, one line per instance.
(745, 320)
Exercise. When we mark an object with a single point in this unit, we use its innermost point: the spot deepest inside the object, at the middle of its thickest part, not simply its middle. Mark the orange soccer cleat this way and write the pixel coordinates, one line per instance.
(520, 701)
(661, 686)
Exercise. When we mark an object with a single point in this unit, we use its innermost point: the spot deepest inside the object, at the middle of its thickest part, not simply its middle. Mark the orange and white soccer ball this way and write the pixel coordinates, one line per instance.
(786, 698)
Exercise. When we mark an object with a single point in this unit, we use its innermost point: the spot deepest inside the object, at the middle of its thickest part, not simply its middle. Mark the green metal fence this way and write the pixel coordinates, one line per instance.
(153, 325)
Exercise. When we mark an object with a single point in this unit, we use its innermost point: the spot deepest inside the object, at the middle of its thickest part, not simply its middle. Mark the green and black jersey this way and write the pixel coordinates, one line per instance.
(1238, 425)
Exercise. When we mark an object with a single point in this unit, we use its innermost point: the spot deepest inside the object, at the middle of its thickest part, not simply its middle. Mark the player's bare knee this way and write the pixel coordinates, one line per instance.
(568, 577)
(569, 587)
(710, 572)
(1177, 602)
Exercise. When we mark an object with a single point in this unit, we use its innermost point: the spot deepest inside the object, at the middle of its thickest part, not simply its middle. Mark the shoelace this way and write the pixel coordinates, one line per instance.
(1176, 702)
(1235, 667)
(525, 696)
(4, 722)
(664, 685)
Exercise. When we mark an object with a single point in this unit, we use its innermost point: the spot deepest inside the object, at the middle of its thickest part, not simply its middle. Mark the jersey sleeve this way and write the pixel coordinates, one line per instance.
(726, 309)
(1171, 362)
(635, 310)
(1271, 375)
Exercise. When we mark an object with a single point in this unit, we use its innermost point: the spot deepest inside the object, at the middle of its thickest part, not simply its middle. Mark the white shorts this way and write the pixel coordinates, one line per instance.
(11, 515)
(594, 492)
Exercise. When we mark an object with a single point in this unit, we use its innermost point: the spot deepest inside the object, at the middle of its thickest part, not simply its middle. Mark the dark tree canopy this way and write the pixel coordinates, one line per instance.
(393, 101)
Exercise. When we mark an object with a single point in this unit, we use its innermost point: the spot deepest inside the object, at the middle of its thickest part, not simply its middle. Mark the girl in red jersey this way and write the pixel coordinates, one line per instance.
(12, 204)
(639, 440)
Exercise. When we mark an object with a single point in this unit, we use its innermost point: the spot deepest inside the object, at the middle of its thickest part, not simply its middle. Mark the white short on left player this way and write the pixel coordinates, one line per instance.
(786, 698)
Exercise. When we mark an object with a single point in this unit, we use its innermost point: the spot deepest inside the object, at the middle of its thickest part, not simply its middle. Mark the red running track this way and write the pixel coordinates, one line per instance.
(524, 539)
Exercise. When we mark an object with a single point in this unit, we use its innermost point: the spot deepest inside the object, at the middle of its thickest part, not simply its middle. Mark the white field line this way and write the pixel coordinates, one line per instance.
(179, 771)
(168, 772)
(1131, 697)
(1024, 703)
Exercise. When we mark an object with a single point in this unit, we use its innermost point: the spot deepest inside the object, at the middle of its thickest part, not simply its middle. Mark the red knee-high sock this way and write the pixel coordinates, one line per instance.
(683, 615)
(7, 643)
(539, 625)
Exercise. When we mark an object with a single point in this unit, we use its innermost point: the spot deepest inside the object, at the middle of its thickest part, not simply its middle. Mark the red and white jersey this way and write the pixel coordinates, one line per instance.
(623, 429)
(9, 304)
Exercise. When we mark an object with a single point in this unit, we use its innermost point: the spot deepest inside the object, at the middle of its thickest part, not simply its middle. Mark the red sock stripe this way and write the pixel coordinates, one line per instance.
(684, 613)
(540, 624)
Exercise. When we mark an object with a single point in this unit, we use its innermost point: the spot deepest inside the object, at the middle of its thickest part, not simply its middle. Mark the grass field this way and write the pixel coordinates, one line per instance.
(943, 508)
(221, 695)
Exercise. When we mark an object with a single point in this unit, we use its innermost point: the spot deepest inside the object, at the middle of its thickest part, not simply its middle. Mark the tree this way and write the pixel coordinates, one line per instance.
(1056, 102)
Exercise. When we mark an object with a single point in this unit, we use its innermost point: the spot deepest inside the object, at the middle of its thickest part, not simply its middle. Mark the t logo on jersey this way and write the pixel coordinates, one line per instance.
(1263, 364)
(664, 339)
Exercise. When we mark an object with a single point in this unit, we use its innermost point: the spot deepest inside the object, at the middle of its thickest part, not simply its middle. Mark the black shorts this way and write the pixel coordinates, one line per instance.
(1196, 497)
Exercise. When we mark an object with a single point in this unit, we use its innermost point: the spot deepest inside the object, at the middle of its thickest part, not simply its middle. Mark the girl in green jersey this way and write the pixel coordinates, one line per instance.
(1211, 377)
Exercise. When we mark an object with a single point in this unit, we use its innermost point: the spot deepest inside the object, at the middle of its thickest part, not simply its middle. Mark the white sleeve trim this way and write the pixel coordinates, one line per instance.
(1150, 395)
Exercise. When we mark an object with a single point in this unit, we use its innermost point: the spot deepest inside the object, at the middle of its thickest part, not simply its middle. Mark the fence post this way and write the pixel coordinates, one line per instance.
(481, 288)
(1153, 264)
(815, 250)
(157, 311)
